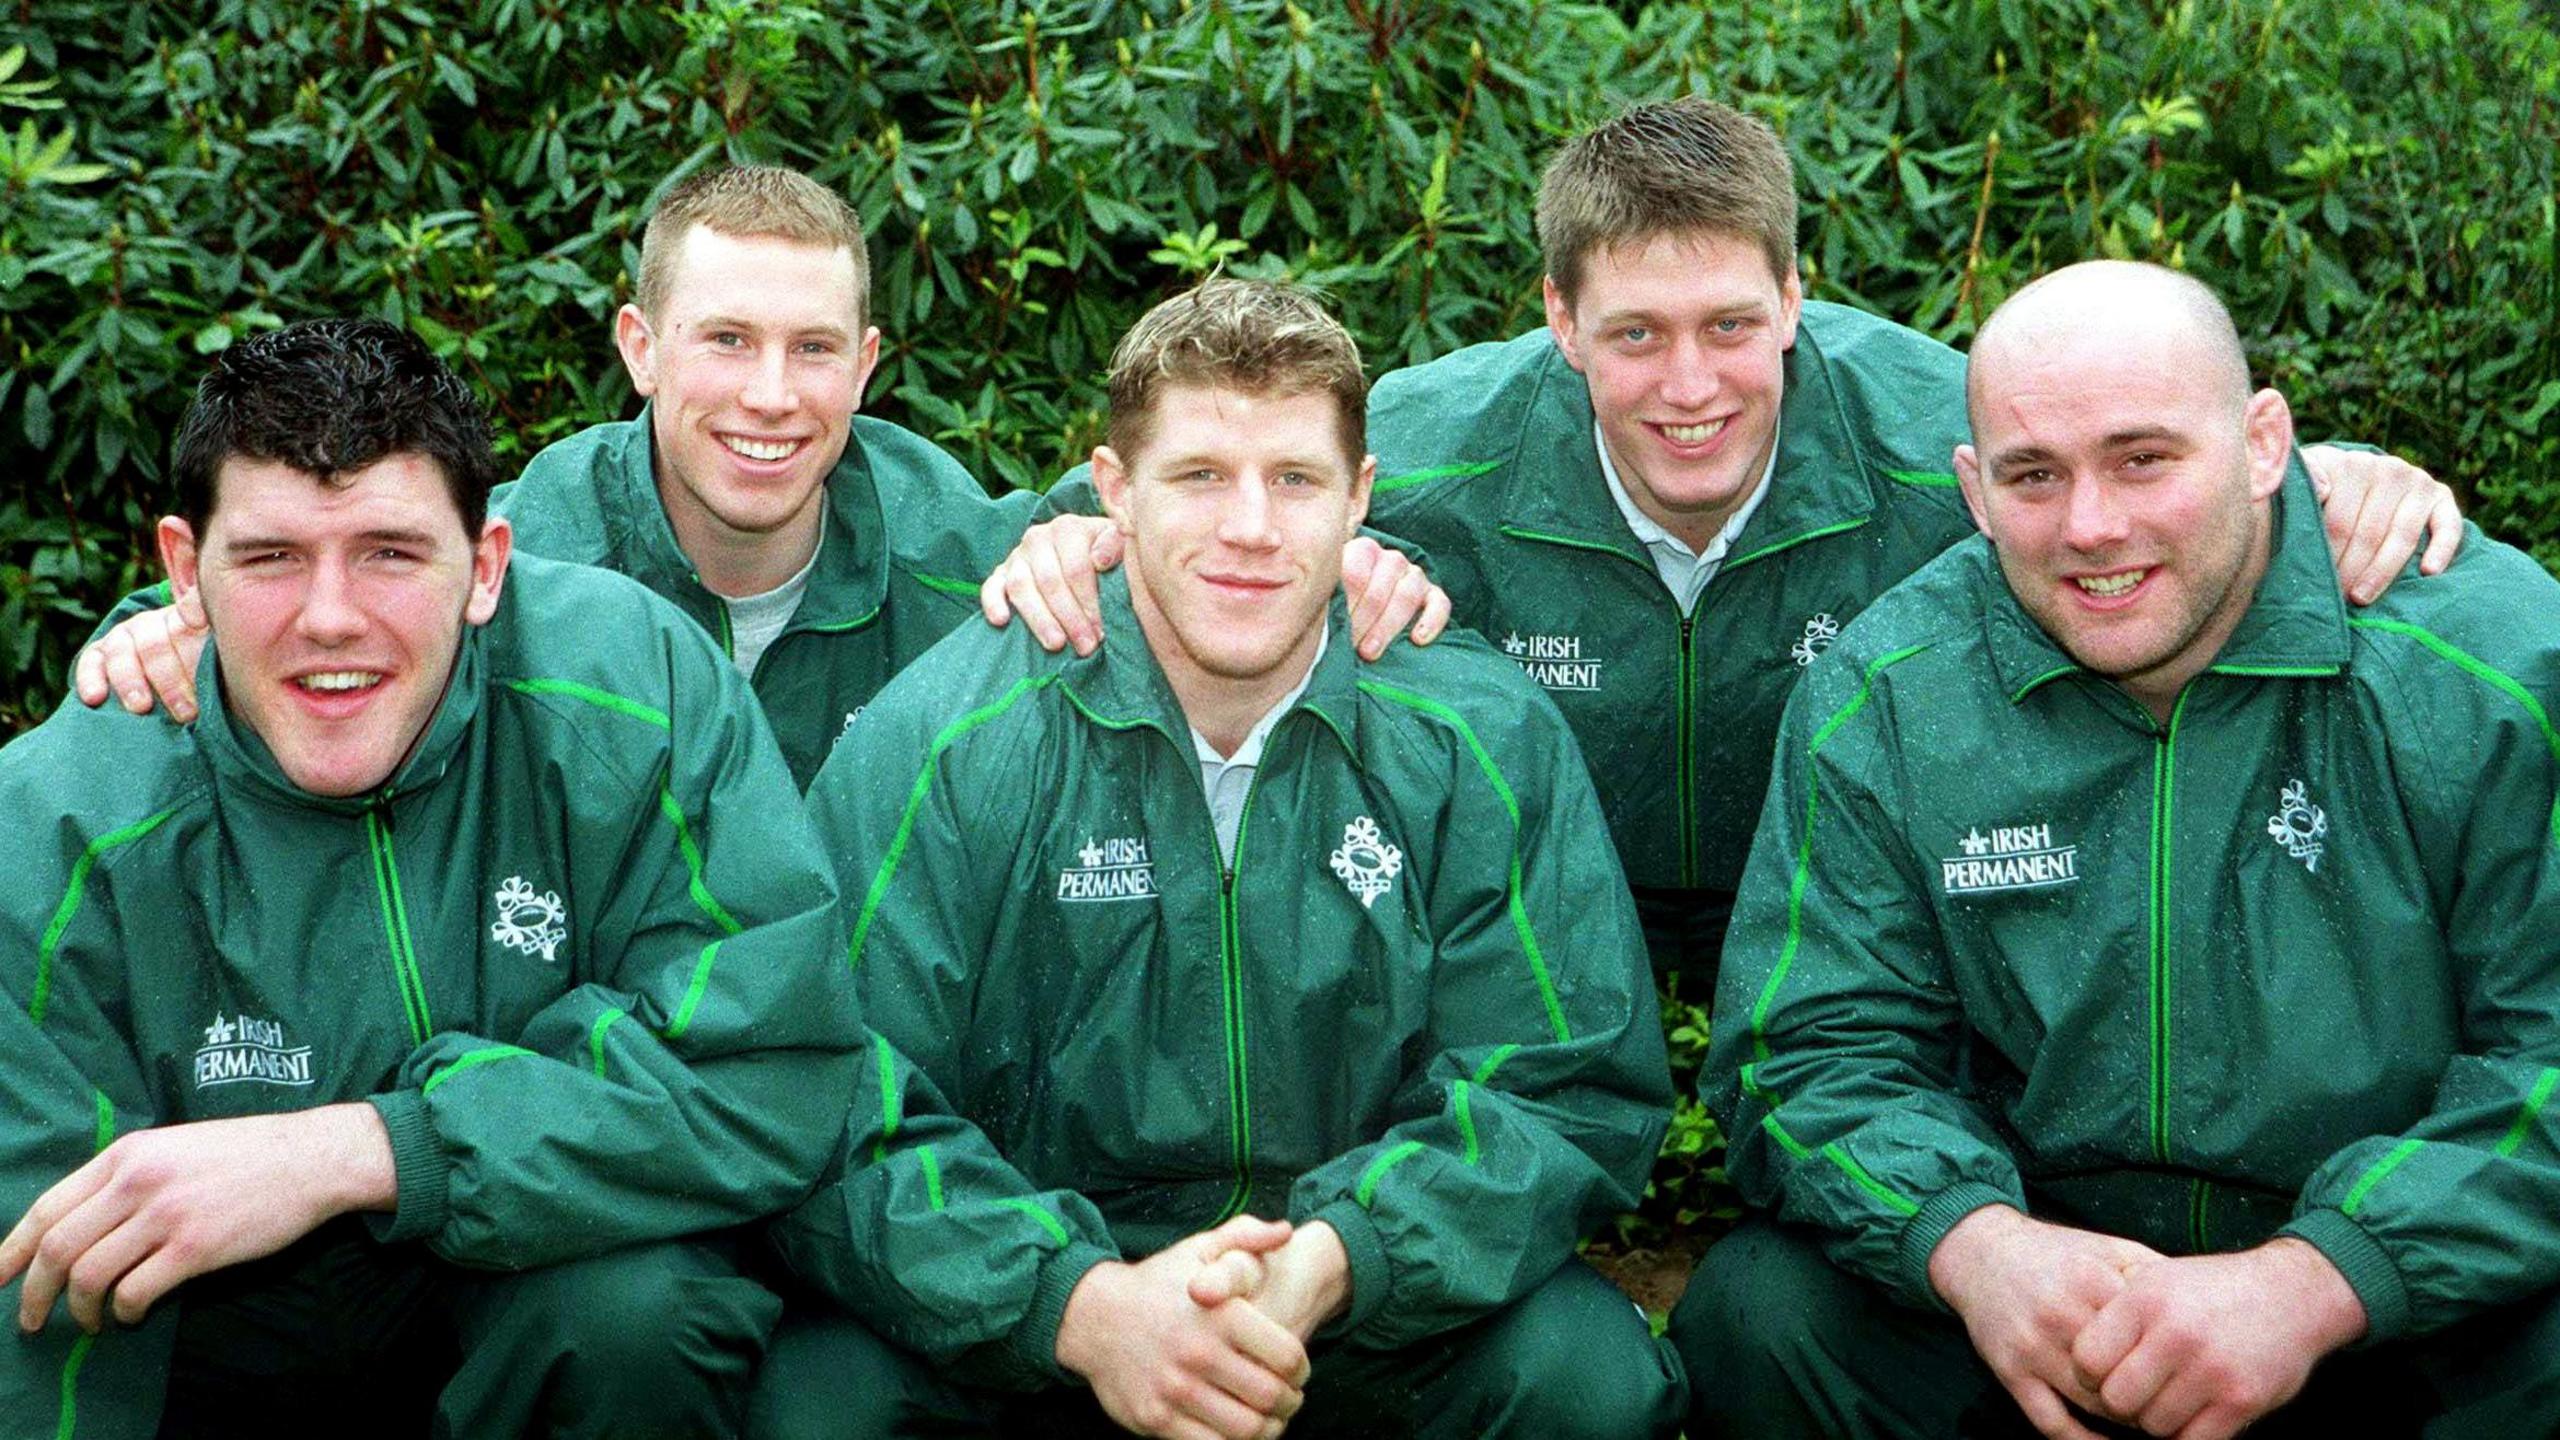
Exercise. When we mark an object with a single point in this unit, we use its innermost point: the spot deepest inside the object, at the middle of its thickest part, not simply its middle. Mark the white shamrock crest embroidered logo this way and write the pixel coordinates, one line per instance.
(1366, 862)
(529, 920)
(2299, 826)
(1819, 632)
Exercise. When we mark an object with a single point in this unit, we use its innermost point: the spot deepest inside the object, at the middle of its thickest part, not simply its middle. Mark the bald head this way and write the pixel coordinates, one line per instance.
(2107, 308)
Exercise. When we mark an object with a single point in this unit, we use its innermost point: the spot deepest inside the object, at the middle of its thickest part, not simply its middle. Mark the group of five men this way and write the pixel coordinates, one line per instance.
(2134, 995)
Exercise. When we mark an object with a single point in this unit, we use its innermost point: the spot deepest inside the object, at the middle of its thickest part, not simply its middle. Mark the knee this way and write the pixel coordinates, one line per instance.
(653, 1340)
(828, 1377)
(1576, 1358)
(1755, 1325)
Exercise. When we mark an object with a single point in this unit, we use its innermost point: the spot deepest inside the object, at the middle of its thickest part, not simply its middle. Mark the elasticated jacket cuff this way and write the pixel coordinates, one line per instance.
(1921, 1236)
(1370, 1278)
(2367, 1266)
(419, 1168)
(1035, 1340)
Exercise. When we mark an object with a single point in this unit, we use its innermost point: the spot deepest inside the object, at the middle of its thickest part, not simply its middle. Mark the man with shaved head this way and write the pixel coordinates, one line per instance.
(2146, 983)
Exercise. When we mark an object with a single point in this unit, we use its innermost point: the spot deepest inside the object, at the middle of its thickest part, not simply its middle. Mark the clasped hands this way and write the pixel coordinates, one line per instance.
(2195, 1347)
(1206, 1338)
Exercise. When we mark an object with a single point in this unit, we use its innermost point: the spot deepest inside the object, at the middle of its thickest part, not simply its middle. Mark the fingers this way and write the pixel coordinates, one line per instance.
(1049, 581)
(1265, 1393)
(168, 657)
(52, 1236)
(991, 598)
(1262, 1339)
(2444, 532)
(1361, 560)
(1249, 1233)
(1435, 617)
(1232, 1275)
(2100, 1350)
(95, 1275)
(2044, 1410)
(1404, 607)
(89, 676)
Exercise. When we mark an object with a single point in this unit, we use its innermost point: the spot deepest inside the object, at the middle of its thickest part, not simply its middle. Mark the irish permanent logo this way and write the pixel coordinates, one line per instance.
(1106, 870)
(2009, 857)
(241, 1047)
(1554, 661)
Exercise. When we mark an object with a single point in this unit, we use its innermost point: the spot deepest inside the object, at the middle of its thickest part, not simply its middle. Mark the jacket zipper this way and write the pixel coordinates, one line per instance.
(395, 921)
(2164, 767)
(1231, 981)
(1685, 765)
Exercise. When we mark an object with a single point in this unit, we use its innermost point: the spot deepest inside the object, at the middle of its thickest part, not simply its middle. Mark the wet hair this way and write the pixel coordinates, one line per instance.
(2157, 293)
(1255, 336)
(329, 398)
(749, 201)
(1671, 167)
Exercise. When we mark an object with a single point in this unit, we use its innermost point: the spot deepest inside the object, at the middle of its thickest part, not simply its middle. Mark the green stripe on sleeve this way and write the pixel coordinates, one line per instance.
(1848, 1163)
(471, 1060)
(602, 699)
(106, 1120)
(1037, 1211)
(1387, 484)
(932, 1176)
(42, 994)
(2373, 1177)
(1466, 1122)
(1927, 479)
(692, 853)
(891, 1110)
(595, 1039)
(946, 584)
(916, 794)
(1493, 1062)
(693, 989)
(1511, 805)
(71, 1386)
(1378, 1168)
(2524, 1118)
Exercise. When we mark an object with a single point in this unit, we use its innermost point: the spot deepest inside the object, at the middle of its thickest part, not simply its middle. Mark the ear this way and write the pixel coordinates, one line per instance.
(639, 346)
(489, 555)
(2267, 426)
(1360, 486)
(866, 357)
(1790, 310)
(1111, 483)
(177, 541)
(1560, 323)
(1969, 480)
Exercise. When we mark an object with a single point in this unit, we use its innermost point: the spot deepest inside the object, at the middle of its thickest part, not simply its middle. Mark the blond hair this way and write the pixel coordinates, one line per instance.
(1255, 336)
(746, 201)
(1671, 167)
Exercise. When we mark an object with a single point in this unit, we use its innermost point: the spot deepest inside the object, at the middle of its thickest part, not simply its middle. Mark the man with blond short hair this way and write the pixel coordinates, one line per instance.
(2147, 980)
(1282, 1052)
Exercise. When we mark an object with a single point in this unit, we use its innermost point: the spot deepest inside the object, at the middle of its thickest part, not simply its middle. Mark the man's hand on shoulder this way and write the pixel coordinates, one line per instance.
(161, 1206)
(147, 657)
(1051, 581)
(2025, 1290)
(2203, 1346)
(1163, 1364)
(2375, 508)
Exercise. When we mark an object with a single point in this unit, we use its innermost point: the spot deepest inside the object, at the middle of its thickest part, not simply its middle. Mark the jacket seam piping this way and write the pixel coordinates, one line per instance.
(41, 995)
(601, 699)
(2487, 674)
(1510, 803)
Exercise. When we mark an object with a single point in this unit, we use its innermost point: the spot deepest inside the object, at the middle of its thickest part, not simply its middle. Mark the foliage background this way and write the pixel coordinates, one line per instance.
(2369, 181)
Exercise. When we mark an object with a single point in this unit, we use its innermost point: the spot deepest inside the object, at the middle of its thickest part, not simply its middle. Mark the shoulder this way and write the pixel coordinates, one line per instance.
(2478, 644)
(943, 528)
(610, 661)
(1924, 637)
(1435, 425)
(968, 689)
(86, 783)
(1462, 696)
(562, 504)
(1899, 393)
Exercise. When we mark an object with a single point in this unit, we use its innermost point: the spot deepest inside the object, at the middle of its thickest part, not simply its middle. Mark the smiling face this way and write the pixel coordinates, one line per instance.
(1236, 506)
(755, 366)
(337, 610)
(2123, 478)
(1682, 339)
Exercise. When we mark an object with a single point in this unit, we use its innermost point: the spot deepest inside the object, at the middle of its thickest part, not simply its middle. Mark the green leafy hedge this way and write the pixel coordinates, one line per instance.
(2370, 181)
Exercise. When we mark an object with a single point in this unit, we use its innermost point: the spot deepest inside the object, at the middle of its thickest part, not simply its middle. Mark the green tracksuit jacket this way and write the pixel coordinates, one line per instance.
(909, 536)
(576, 951)
(1417, 1007)
(2289, 962)
(1488, 465)
(1486, 459)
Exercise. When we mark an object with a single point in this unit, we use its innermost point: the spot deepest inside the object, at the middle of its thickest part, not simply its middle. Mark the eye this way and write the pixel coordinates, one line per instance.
(1731, 325)
(2032, 475)
(1296, 477)
(727, 339)
(1634, 334)
(816, 347)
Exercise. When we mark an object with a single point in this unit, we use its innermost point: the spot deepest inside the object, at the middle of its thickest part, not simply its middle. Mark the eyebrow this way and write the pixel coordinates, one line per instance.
(736, 322)
(1180, 464)
(1638, 314)
(2015, 456)
(388, 535)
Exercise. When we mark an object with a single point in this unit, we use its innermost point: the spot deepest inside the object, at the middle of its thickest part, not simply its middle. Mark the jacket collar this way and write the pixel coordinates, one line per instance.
(1558, 493)
(1122, 686)
(846, 585)
(2296, 624)
(239, 756)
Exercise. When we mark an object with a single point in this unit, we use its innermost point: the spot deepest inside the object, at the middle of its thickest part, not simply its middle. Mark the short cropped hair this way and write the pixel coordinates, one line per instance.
(1671, 167)
(748, 201)
(329, 398)
(1255, 336)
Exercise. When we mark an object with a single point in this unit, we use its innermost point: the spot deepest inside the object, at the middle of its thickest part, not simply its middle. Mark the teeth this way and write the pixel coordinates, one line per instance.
(1692, 434)
(2106, 585)
(760, 449)
(341, 680)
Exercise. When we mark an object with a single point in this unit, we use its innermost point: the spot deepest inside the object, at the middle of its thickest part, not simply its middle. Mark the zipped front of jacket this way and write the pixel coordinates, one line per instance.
(395, 920)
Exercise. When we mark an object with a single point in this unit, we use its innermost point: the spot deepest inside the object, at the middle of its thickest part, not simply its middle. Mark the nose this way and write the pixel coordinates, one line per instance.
(1246, 520)
(1689, 376)
(2094, 517)
(331, 613)
(769, 386)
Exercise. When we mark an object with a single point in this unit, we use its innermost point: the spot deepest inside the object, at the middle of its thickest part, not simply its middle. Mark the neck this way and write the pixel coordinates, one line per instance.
(1224, 709)
(733, 564)
(2158, 688)
(1696, 529)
